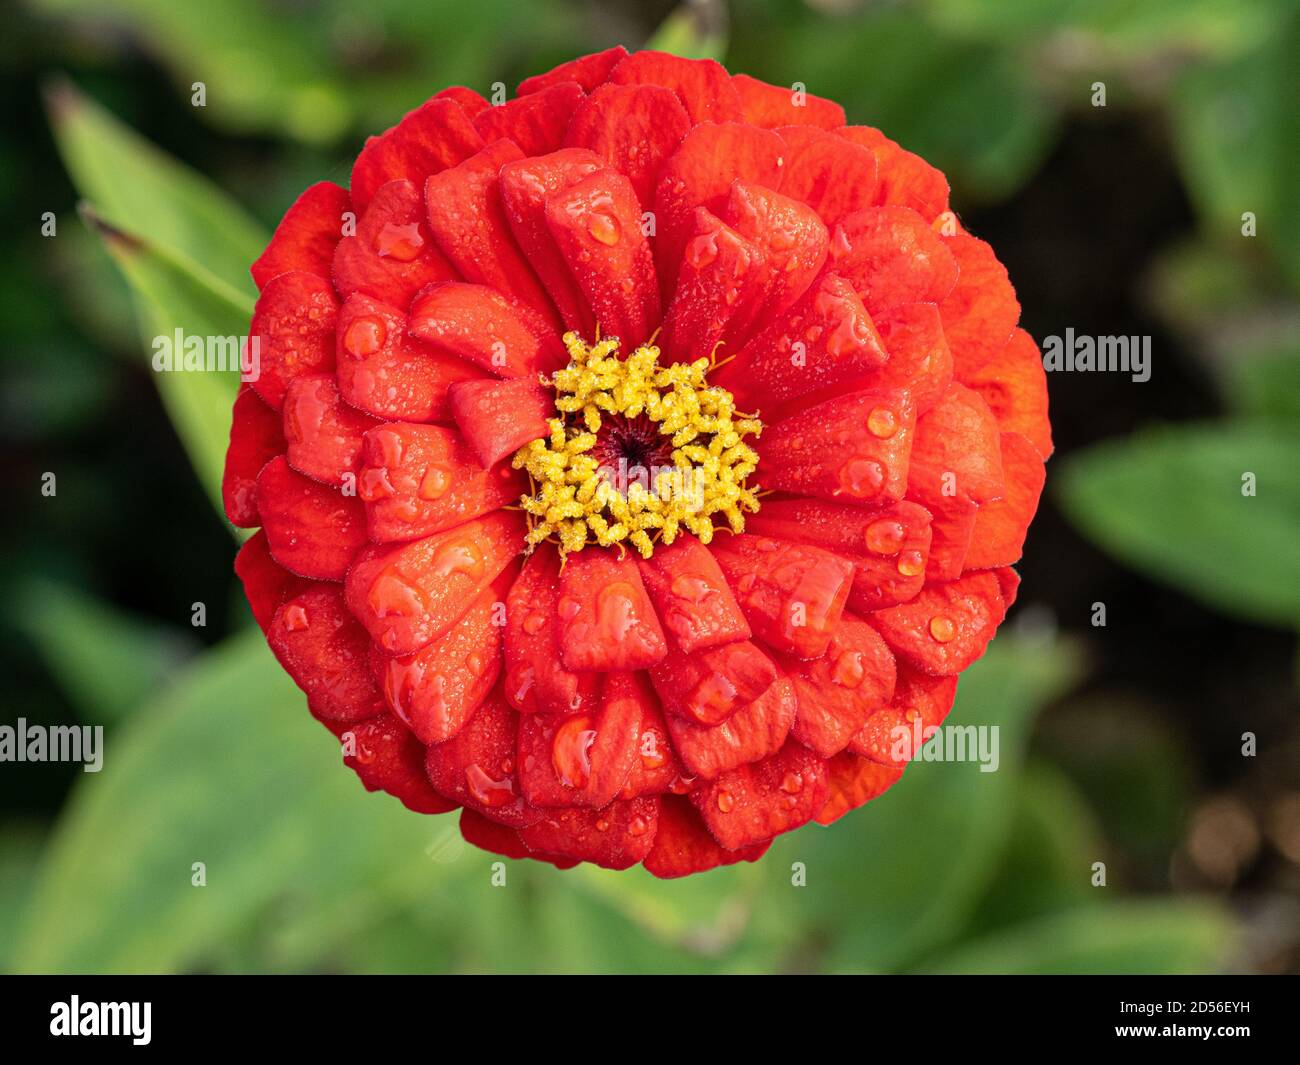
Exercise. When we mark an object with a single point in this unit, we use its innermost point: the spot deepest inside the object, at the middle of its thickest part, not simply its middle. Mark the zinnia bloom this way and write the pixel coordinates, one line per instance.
(632, 459)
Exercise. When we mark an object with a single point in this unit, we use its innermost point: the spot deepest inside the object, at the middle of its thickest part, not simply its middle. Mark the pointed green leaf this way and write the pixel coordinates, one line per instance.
(1172, 503)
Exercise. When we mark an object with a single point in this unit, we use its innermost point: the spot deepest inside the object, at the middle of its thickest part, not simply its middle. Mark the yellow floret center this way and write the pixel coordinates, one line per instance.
(693, 476)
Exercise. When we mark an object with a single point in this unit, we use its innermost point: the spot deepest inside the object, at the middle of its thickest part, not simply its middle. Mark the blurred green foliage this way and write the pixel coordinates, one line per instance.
(953, 870)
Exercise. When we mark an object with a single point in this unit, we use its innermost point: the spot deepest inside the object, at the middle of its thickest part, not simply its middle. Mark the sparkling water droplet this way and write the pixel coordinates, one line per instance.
(942, 628)
(364, 336)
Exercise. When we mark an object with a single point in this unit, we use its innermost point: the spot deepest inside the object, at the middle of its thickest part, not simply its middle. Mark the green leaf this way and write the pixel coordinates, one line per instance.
(1237, 133)
(141, 191)
(1267, 385)
(20, 848)
(1158, 938)
(1053, 841)
(184, 248)
(106, 661)
(1169, 502)
(225, 768)
(693, 31)
(901, 876)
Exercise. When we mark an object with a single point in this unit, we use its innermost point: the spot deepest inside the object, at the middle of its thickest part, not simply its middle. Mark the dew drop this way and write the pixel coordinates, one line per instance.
(911, 563)
(882, 422)
(402, 243)
(604, 228)
(364, 336)
(885, 537)
(434, 483)
(725, 802)
(942, 628)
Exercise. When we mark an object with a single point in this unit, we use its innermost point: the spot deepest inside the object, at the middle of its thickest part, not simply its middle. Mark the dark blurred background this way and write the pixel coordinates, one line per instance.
(1122, 219)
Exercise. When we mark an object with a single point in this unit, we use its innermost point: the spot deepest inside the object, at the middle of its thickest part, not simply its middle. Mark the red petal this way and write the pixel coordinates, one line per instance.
(596, 224)
(525, 186)
(411, 594)
(469, 224)
(1014, 385)
(703, 85)
(536, 122)
(821, 345)
(435, 136)
(436, 690)
(498, 839)
(894, 734)
(833, 176)
(293, 325)
(803, 453)
(919, 359)
(707, 687)
(792, 594)
(683, 845)
(266, 583)
(906, 180)
(255, 439)
(699, 174)
(1000, 526)
(753, 803)
(888, 547)
(793, 239)
(588, 71)
(470, 101)
(388, 758)
(656, 767)
(606, 619)
(721, 284)
(313, 530)
(633, 128)
(305, 238)
(584, 759)
(421, 479)
(617, 837)
(385, 372)
(892, 257)
(691, 596)
(840, 690)
(754, 732)
(854, 782)
(477, 767)
(773, 106)
(499, 417)
(323, 435)
(981, 311)
(392, 256)
(535, 679)
(957, 451)
(947, 626)
(321, 646)
(480, 325)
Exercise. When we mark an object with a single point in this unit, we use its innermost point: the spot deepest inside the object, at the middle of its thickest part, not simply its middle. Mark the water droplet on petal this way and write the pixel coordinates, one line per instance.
(725, 802)
(487, 791)
(402, 243)
(571, 751)
(911, 563)
(364, 336)
(942, 628)
(862, 477)
(434, 483)
(882, 422)
(885, 537)
(295, 618)
(604, 228)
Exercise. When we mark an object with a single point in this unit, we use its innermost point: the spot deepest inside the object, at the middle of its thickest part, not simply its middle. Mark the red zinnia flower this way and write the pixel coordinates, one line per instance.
(514, 378)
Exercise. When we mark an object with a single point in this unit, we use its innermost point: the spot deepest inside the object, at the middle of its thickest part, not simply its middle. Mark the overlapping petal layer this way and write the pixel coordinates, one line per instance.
(678, 710)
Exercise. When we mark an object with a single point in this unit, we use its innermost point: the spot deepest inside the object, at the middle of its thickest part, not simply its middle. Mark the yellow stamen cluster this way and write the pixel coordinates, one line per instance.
(575, 502)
